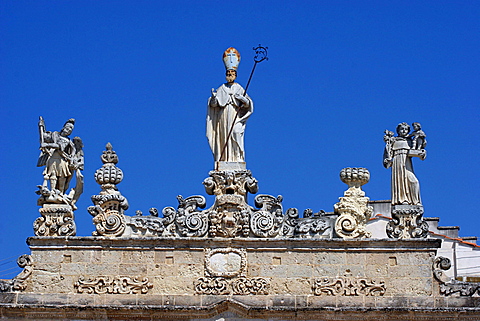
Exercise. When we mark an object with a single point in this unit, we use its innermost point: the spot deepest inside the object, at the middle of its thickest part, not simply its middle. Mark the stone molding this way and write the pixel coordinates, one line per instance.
(309, 244)
(234, 307)
(112, 285)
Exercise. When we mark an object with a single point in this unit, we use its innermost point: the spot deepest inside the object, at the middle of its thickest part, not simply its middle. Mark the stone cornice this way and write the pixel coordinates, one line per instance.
(264, 243)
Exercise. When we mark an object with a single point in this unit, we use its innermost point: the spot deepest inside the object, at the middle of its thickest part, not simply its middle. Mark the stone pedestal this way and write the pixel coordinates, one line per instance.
(55, 220)
(407, 222)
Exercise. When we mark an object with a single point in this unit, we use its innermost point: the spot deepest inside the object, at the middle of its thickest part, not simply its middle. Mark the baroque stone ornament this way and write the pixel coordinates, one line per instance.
(152, 225)
(190, 221)
(239, 286)
(353, 208)
(312, 225)
(63, 160)
(212, 286)
(267, 221)
(230, 214)
(110, 204)
(113, 285)
(450, 286)
(348, 286)
(253, 286)
(18, 283)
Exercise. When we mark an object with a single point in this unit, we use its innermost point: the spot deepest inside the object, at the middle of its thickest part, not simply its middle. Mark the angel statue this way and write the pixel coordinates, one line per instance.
(63, 159)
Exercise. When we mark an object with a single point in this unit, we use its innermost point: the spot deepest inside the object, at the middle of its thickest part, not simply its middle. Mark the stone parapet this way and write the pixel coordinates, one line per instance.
(248, 278)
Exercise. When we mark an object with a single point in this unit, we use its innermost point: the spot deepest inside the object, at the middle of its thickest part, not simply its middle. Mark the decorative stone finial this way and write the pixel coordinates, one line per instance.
(355, 177)
(109, 155)
(109, 175)
(110, 204)
(353, 207)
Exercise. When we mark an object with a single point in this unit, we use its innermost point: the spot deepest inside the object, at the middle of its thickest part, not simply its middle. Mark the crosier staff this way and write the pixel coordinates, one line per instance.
(260, 55)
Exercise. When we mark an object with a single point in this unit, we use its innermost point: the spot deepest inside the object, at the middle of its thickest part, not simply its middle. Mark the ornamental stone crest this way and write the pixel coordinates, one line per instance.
(230, 214)
(225, 273)
(353, 208)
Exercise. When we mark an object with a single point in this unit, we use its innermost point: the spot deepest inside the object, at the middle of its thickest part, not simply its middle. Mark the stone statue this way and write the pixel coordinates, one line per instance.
(398, 155)
(228, 110)
(63, 159)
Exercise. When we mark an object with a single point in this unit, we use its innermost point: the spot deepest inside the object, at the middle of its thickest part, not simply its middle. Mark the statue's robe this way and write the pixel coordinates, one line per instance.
(220, 118)
(405, 185)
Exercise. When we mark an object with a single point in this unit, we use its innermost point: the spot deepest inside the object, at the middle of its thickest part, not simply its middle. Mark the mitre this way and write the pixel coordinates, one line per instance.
(231, 58)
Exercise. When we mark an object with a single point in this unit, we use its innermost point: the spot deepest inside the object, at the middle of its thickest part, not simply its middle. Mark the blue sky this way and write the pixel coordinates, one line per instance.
(138, 74)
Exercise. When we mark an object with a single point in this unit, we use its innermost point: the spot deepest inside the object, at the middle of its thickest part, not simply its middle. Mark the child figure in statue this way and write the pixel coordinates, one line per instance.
(418, 137)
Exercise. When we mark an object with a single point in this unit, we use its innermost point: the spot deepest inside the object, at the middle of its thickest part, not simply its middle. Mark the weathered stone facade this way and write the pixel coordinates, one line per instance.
(193, 278)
